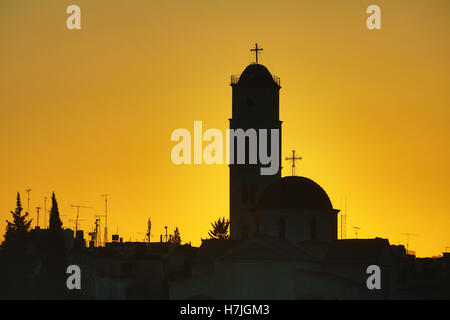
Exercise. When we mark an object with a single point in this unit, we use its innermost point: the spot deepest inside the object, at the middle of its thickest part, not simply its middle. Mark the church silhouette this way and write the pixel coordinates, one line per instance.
(283, 230)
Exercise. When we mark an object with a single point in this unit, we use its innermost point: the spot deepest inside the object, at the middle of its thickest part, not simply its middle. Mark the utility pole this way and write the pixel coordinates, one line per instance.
(105, 237)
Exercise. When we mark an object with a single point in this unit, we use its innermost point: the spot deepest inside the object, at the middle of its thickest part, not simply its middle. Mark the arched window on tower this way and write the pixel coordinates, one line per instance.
(313, 229)
(282, 228)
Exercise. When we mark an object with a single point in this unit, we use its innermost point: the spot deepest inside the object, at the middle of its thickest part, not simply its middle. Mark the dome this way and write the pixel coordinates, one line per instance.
(256, 74)
(293, 192)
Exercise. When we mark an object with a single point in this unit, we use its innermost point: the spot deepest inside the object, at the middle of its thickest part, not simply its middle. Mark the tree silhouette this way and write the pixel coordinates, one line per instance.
(55, 220)
(18, 228)
(175, 238)
(53, 255)
(220, 229)
(16, 270)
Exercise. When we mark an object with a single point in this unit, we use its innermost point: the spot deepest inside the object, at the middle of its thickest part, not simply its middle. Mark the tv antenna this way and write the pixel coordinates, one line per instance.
(149, 229)
(356, 231)
(344, 220)
(105, 237)
(407, 234)
(28, 194)
(78, 214)
(45, 210)
(99, 237)
(37, 210)
(94, 234)
(166, 236)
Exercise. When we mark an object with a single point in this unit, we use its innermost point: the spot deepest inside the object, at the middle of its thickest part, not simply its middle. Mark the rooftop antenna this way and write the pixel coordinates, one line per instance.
(293, 158)
(78, 214)
(94, 234)
(149, 229)
(76, 221)
(99, 216)
(37, 222)
(97, 226)
(356, 231)
(344, 220)
(28, 193)
(105, 237)
(45, 209)
(166, 238)
(407, 234)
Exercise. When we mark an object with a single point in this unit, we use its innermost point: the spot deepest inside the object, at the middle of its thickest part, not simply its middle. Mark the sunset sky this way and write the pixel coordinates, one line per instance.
(91, 111)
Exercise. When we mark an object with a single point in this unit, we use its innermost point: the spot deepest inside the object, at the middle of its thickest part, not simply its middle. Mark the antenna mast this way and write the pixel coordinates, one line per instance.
(105, 237)
(407, 234)
(356, 231)
(149, 229)
(37, 222)
(28, 193)
(45, 210)
(99, 235)
(344, 220)
(78, 214)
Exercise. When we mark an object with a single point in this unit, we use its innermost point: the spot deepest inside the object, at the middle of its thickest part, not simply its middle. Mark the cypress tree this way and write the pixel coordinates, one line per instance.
(55, 223)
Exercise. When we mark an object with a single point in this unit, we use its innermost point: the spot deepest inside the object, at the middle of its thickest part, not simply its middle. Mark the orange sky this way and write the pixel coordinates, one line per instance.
(91, 111)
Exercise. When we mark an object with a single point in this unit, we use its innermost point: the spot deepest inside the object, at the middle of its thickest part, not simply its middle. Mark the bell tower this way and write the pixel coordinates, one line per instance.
(255, 105)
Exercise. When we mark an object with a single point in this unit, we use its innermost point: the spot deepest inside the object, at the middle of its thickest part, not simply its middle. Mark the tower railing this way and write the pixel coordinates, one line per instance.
(277, 80)
(235, 79)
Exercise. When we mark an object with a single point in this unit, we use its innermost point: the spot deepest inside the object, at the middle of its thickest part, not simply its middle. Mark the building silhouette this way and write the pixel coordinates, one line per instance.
(283, 241)
(284, 230)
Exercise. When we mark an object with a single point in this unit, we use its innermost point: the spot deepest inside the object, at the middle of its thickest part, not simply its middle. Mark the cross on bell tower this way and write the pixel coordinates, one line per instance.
(293, 158)
(256, 49)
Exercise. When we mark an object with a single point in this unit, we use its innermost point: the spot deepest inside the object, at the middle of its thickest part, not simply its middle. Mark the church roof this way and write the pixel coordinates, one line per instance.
(257, 74)
(264, 247)
(257, 247)
(213, 248)
(363, 250)
(294, 192)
